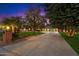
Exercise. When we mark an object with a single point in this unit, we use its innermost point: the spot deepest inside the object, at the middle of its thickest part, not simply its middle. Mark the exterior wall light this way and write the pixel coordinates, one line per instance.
(8, 28)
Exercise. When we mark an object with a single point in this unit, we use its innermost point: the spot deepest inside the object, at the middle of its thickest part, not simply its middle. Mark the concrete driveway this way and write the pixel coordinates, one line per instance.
(49, 44)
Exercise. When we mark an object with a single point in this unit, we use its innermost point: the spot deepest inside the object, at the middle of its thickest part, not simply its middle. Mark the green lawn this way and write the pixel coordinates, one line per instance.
(73, 41)
(26, 34)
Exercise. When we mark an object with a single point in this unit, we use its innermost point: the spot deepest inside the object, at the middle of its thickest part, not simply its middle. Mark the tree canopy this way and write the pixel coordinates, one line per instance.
(34, 20)
(12, 21)
(64, 15)
(67, 13)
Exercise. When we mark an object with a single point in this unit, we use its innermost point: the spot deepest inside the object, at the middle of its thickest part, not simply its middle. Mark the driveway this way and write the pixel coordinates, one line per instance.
(48, 44)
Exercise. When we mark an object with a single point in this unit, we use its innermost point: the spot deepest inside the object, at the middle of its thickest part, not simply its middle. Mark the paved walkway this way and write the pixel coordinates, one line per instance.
(49, 44)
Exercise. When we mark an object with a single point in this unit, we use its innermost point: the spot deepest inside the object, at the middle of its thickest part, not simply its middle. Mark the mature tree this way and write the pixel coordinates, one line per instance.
(64, 16)
(13, 22)
(34, 20)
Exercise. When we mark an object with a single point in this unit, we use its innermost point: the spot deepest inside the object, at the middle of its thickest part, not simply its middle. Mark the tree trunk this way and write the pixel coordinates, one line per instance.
(70, 32)
(60, 30)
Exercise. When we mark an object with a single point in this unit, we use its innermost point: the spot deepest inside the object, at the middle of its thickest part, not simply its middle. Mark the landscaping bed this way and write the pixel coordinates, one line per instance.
(73, 41)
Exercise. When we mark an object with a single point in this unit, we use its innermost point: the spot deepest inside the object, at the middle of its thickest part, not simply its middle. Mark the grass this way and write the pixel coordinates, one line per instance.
(1, 34)
(25, 34)
(73, 41)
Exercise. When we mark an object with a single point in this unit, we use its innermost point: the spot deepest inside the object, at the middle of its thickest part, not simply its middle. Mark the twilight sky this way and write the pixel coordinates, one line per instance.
(18, 9)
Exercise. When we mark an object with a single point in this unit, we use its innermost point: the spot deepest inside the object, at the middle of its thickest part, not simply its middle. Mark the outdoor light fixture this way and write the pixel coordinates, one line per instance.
(8, 28)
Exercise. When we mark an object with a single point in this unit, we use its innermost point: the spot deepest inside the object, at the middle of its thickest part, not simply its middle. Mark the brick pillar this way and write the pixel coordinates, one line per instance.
(7, 37)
